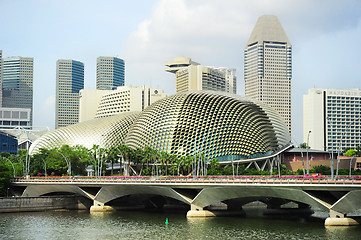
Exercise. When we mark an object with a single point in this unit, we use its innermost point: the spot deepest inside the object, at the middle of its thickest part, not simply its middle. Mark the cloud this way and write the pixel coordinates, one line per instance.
(215, 33)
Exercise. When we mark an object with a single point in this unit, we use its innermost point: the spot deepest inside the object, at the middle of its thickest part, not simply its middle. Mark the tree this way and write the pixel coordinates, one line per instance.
(214, 167)
(5, 175)
(351, 153)
(304, 145)
(112, 157)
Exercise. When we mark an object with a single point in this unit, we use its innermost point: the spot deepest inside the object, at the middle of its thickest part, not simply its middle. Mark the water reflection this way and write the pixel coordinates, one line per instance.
(151, 225)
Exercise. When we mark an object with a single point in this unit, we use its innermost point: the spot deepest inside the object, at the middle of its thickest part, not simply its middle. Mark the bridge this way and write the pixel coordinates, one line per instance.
(339, 197)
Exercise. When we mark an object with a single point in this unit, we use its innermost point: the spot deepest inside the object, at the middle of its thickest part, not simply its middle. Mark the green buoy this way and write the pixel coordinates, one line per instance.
(166, 221)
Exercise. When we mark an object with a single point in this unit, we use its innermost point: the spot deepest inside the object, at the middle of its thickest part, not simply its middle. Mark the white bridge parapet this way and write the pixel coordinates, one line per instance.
(339, 197)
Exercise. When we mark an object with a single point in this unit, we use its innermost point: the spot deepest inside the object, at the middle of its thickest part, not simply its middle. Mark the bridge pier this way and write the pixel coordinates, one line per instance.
(100, 207)
(339, 219)
(199, 212)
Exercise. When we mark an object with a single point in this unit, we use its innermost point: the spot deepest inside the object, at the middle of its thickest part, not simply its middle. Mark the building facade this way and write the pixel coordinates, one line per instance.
(128, 99)
(105, 103)
(8, 143)
(110, 73)
(1, 79)
(191, 76)
(215, 124)
(15, 117)
(89, 102)
(268, 66)
(332, 119)
(69, 81)
(17, 83)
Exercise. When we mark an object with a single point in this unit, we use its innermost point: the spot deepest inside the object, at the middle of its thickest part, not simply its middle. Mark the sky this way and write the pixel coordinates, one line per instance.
(325, 37)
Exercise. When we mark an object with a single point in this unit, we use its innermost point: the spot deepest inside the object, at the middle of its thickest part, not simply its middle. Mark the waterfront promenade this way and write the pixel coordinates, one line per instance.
(339, 197)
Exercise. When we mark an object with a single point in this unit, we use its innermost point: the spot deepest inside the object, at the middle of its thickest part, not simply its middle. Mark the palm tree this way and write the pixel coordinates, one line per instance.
(112, 156)
(164, 156)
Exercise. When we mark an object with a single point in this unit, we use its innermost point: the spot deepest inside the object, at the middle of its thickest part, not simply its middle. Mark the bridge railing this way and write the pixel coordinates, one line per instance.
(199, 180)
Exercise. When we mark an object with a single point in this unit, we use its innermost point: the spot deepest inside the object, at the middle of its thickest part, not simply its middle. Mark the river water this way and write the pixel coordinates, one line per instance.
(151, 225)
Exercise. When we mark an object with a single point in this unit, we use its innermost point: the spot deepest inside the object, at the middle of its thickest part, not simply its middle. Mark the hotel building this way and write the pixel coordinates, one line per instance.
(332, 118)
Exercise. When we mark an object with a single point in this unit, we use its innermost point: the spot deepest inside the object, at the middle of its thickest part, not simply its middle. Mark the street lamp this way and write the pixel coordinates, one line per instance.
(67, 163)
(332, 162)
(308, 163)
(339, 144)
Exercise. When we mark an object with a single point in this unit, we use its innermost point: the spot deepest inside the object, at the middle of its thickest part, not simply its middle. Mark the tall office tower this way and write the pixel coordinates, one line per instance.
(332, 119)
(192, 76)
(268, 66)
(110, 73)
(69, 81)
(17, 83)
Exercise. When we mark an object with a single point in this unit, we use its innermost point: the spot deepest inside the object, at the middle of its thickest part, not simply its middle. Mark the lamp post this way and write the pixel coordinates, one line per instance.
(67, 163)
(332, 162)
(339, 144)
(307, 147)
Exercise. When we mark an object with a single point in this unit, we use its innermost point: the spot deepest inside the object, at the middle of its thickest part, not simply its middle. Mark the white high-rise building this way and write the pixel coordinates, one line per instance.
(105, 103)
(191, 76)
(268, 66)
(332, 118)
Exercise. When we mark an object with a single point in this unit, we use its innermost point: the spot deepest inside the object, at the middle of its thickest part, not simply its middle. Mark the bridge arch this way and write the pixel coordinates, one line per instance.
(213, 195)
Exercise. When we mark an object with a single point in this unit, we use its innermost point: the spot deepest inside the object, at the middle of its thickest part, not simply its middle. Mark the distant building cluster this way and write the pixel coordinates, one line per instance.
(332, 119)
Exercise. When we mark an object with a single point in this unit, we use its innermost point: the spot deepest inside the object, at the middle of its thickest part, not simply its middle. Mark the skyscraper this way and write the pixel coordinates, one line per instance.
(268, 66)
(1, 79)
(69, 81)
(110, 73)
(17, 83)
(334, 118)
(192, 76)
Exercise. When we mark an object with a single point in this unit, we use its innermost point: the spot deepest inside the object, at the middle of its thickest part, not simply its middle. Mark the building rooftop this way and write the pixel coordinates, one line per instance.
(268, 28)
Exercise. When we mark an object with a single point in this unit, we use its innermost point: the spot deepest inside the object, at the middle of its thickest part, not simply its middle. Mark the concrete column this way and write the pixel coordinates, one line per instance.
(100, 207)
(339, 219)
(198, 212)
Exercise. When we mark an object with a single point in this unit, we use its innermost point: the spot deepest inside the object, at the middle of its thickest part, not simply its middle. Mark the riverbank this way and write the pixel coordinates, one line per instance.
(44, 203)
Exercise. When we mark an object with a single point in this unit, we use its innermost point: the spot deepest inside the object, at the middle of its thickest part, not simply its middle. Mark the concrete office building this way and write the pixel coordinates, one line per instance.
(110, 73)
(268, 66)
(69, 81)
(334, 118)
(15, 117)
(191, 76)
(17, 83)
